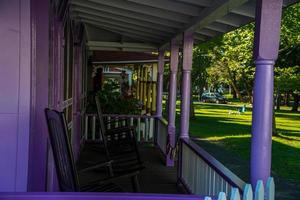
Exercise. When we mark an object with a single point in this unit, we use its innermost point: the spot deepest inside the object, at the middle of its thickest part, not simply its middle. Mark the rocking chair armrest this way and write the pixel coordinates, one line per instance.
(120, 129)
(97, 166)
(115, 120)
(112, 179)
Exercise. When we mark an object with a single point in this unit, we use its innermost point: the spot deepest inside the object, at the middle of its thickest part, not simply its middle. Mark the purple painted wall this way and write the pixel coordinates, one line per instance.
(14, 93)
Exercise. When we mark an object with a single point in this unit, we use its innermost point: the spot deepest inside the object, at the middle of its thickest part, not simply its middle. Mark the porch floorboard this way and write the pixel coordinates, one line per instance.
(155, 178)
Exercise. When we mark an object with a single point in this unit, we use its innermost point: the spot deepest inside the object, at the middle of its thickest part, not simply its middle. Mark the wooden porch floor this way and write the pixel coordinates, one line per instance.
(155, 178)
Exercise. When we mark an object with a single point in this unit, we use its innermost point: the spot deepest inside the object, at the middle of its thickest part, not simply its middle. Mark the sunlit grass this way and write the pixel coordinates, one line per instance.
(232, 132)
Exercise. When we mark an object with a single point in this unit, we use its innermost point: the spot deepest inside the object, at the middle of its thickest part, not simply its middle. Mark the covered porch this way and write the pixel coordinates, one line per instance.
(62, 45)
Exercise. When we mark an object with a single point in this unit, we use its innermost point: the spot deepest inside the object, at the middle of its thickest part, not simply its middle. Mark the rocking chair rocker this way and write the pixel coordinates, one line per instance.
(65, 165)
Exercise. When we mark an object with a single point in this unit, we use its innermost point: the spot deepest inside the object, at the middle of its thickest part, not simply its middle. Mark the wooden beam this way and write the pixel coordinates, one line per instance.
(203, 3)
(200, 37)
(223, 28)
(209, 15)
(207, 32)
(173, 6)
(247, 10)
(125, 32)
(234, 20)
(124, 29)
(122, 24)
(126, 13)
(137, 8)
(94, 12)
(220, 9)
(120, 49)
(122, 45)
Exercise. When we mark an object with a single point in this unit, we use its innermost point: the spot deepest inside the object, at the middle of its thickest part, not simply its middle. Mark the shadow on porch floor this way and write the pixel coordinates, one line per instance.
(155, 178)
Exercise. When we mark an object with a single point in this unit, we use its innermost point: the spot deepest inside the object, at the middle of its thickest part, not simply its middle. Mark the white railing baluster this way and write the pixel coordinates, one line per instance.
(86, 127)
(108, 125)
(259, 191)
(131, 121)
(222, 196)
(94, 127)
(235, 194)
(248, 194)
(198, 176)
(139, 129)
(142, 135)
(270, 189)
(213, 183)
(151, 130)
(116, 122)
(146, 130)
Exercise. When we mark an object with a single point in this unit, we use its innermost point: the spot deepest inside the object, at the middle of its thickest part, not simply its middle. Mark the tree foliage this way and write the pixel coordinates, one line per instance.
(229, 59)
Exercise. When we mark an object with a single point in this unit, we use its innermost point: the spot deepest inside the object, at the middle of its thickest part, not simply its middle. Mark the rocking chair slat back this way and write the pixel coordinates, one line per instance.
(62, 151)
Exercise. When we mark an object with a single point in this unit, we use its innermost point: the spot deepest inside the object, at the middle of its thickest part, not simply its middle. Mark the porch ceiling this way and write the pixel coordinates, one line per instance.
(145, 25)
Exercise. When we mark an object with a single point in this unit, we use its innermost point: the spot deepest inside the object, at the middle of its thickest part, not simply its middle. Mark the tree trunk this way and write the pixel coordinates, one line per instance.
(200, 93)
(192, 107)
(233, 82)
(296, 102)
(234, 94)
(236, 91)
(248, 91)
(287, 99)
(274, 131)
(278, 99)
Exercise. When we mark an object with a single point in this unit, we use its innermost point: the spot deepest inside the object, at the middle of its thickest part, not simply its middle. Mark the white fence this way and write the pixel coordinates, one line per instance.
(144, 126)
(260, 193)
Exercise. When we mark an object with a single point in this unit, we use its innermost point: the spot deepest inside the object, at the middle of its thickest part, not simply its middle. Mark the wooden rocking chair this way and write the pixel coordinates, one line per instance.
(118, 144)
(65, 165)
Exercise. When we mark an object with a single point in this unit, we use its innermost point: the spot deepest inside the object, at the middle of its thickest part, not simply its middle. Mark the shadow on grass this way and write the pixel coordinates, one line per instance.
(288, 115)
(234, 153)
(289, 135)
(210, 126)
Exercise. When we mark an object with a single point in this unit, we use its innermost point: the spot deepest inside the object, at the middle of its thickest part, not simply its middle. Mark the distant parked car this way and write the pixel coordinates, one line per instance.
(213, 97)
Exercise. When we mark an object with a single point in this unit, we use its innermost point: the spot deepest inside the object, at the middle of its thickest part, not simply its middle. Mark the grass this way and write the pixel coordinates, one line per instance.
(232, 132)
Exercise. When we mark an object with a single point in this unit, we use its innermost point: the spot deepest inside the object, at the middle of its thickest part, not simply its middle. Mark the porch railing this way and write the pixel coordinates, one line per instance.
(260, 193)
(202, 174)
(144, 126)
(161, 134)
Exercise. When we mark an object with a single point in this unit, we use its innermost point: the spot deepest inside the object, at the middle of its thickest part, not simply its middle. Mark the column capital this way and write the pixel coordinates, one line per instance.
(174, 56)
(189, 34)
(267, 29)
(188, 44)
(161, 55)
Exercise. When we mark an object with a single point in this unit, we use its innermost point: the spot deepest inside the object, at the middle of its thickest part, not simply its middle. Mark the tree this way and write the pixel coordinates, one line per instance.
(232, 60)
(201, 62)
(287, 69)
(288, 79)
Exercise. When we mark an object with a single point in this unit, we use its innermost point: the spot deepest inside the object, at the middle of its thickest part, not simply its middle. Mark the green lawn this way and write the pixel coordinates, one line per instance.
(232, 132)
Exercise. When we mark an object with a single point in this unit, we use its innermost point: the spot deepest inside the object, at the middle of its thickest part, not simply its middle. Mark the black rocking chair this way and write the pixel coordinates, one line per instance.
(118, 144)
(65, 165)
